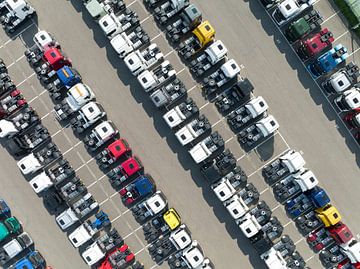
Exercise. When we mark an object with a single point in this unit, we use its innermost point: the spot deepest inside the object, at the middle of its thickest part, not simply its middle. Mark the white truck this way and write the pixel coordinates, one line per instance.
(17, 11)
(294, 184)
(207, 59)
(52, 176)
(116, 23)
(288, 9)
(258, 131)
(169, 9)
(139, 61)
(88, 115)
(35, 161)
(148, 209)
(13, 248)
(104, 244)
(100, 134)
(204, 149)
(168, 94)
(18, 123)
(289, 163)
(89, 229)
(349, 100)
(180, 113)
(77, 211)
(342, 80)
(238, 204)
(77, 96)
(352, 250)
(167, 245)
(125, 43)
(99, 8)
(191, 257)
(193, 130)
(221, 76)
(149, 80)
(255, 108)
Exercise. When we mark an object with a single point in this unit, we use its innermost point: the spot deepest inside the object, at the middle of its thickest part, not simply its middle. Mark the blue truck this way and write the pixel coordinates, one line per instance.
(142, 187)
(328, 61)
(65, 78)
(5, 211)
(305, 202)
(33, 260)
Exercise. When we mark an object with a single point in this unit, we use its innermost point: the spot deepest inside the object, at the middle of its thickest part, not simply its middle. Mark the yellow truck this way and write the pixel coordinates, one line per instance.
(329, 215)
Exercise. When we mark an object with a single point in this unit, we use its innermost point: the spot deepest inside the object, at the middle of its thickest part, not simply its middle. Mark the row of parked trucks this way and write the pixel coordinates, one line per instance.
(301, 25)
(296, 187)
(158, 78)
(56, 180)
(49, 174)
(16, 243)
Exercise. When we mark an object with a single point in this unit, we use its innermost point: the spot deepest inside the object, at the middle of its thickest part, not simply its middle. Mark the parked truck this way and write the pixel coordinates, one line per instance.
(180, 113)
(88, 115)
(168, 94)
(151, 207)
(13, 248)
(193, 130)
(204, 149)
(16, 12)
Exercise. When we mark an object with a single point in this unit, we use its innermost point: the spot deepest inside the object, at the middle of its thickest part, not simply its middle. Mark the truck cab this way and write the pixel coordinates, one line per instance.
(227, 186)
(137, 190)
(312, 46)
(342, 80)
(41, 182)
(202, 35)
(352, 250)
(150, 207)
(15, 247)
(180, 113)
(77, 96)
(99, 135)
(169, 9)
(288, 9)
(127, 169)
(8, 227)
(193, 130)
(206, 147)
(88, 115)
(329, 215)
(34, 260)
(349, 100)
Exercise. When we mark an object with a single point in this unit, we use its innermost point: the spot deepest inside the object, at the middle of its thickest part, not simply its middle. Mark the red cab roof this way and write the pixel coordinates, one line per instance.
(53, 55)
(107, 265)
(341, 233)
(316, 44)
(118, 148)
(131, 165)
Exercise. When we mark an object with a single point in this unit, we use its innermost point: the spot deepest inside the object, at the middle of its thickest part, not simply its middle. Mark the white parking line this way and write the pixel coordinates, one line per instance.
(265, 190)
(204, 105)
(144, 20)
(18, 59)
(287, 224)
(180, 71)
(216, 123)
(115, 219)
(167, 54)
(355, 51)
(341, 36)
(228, 140)
(78, 143)
(309, 258)
(276, 207)
(47, 114)
(193, 87)
(333, 15)
(301, 239)
(134, 231)
(156, 36)
(33, 74)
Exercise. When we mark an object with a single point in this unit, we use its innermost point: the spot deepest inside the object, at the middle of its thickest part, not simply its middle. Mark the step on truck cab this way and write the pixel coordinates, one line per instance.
(289, 163)
(212, 55)
(204, 149)
(151, 207)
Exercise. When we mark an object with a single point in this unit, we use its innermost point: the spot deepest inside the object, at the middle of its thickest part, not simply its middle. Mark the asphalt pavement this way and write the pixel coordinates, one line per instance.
(307, 123)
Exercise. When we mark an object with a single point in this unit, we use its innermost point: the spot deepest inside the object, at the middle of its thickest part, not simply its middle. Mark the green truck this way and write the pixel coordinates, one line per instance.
(9, 226)
(305, 25)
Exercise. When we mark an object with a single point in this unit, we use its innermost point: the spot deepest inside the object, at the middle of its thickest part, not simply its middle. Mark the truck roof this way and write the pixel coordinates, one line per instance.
(230, 68)
(288, 8)
(204, 33)
(173, 117)
(53, 55)
(143, 185)
(257, 106)
(41, 182)
(192, 12)
(306, 179)
(216, 51)
(130, 166)
(42, 39)
(156, 203)
(146, 79)
(267, 125)
(93, 254)
(66, 218)
(352, 97)
(134, 60)
(200, 152)
(300, 26)
(172, 218)
(91, 110)
(180, 237)
(118, 148)
(4, 232)
(104, 129)
(352, 250)
(13, 247)
(7, 128)
(118, 42)
(80, 236)
(223, 189)
(193, 255)
(95, 8)
(65, 74)
(340, 82)
(81, 93)
(29, 164)
(273, 259)
(249, 225)
(293, 160)
(236, 206)
(15, 4)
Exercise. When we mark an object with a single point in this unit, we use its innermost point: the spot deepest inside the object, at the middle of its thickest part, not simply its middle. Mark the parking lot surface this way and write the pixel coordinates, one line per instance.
(307, 123)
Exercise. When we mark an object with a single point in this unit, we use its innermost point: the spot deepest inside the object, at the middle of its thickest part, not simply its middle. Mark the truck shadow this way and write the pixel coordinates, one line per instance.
(304, 77)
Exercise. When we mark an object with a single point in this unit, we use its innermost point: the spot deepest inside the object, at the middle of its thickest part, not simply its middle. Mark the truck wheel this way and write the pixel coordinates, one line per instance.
(79, 130)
